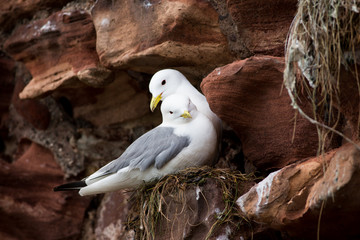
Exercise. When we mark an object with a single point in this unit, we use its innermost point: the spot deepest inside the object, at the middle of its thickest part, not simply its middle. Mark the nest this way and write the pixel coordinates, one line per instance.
(324, 37)
(150, 200)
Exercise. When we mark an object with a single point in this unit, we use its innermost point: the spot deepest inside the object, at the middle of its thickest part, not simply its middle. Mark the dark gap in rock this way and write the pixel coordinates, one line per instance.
(66, 105)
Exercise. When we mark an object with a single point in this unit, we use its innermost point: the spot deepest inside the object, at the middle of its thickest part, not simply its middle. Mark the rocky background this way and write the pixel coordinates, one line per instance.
(74, 94)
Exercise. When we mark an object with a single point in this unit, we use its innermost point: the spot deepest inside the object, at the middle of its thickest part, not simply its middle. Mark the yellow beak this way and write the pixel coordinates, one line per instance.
(154, 102)
(186, 114)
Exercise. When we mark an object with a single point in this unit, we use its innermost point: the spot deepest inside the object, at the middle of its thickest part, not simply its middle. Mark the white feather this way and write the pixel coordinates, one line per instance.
(201, 150)
(177, 83)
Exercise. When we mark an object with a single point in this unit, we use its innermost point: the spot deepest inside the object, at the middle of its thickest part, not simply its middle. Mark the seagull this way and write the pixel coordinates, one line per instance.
(185, 138)
(166, 82)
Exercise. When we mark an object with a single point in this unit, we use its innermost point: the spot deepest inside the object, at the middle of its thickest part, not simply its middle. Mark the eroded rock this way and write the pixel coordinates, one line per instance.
(294, 198)
(111, 220)
(48, 125)
(186, 34)
(51, 49)
(118, 102)
(32, 110)
(29, 206)
(262, 26)
(13, 10)
(247, 95)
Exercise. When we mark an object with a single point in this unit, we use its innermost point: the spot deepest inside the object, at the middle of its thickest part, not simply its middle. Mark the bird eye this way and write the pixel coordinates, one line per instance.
(163, 82)
(171, 112)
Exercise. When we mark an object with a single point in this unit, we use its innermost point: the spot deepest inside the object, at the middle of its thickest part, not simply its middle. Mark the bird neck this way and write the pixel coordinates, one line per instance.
(188, 88)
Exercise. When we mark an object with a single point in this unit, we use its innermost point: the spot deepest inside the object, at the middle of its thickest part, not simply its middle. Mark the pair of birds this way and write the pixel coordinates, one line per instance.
(188, 136)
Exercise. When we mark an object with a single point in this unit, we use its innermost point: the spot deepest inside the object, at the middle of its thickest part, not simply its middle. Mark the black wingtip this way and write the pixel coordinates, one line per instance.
(70, 186)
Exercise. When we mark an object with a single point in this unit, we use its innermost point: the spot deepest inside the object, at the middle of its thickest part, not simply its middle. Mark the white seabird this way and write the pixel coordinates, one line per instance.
(166, 82)
(185, 138)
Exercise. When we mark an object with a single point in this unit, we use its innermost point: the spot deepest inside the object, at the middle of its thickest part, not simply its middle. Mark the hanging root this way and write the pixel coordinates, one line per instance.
(323, 38)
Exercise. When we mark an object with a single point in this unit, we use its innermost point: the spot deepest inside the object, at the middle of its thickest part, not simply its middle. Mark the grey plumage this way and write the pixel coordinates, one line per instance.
(155, 147)
(185, 138)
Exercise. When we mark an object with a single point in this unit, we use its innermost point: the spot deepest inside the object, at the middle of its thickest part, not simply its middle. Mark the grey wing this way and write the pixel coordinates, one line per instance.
(155, 147)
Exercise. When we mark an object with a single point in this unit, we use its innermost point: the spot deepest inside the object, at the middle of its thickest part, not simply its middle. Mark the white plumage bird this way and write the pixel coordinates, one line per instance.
(185, 138)
(166, 82)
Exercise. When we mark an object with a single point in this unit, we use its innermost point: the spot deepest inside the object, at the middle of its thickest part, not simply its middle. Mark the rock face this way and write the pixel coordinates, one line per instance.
(304, 194)
(195, 218)
(247, 94)
(349, 100)
(14, 10)
(61, 39)
(74, 94)
(127, 37)
(109, 221)
(120, 101)
(255, 27)
(29, 209)
(32, 110)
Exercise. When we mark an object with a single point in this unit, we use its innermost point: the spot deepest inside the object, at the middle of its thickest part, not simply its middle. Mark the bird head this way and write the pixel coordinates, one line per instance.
(178, 108)
(163, 84)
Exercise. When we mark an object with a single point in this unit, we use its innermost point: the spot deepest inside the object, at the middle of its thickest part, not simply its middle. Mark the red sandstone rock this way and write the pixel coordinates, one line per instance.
(29, 208)
(194, 217)
(348, 102)
(146, 36)
(31, 110)
(262, 26)
(118, 102)
(290, 199)
(13, 10)
(111, 218)
(248, 95)
(58, 51)
(45, 122)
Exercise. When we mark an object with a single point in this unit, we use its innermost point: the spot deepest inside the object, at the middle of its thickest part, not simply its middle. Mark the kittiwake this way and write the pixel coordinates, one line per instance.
(185, 138)
(166, 82)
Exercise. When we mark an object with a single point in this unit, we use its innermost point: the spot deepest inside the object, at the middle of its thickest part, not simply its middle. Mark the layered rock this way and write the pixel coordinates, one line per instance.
(27, 204)
(314, 194)
(109, 220)
(44, 122)
(14, 10)
(85, 99)
(149, 35)
(32, 110)
(247, 94)
(121, 101)
(348, 100)
(61, 40)
(263, 26)
(255, 27)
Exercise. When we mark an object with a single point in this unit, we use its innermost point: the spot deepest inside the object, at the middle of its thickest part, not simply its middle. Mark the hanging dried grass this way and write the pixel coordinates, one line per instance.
(323, 38)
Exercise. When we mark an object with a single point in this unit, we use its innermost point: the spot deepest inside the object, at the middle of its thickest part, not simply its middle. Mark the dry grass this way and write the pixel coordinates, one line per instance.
(322, 39)
(150, 200)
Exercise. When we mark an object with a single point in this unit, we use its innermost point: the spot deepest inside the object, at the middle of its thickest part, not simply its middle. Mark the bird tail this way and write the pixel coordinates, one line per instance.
(70, 186)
